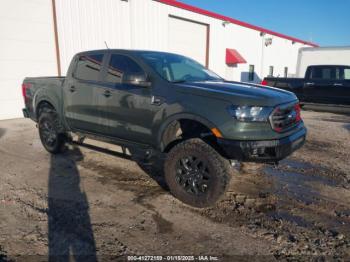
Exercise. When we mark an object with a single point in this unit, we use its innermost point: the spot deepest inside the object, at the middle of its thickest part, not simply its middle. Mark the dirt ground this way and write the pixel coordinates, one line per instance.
(95, 205)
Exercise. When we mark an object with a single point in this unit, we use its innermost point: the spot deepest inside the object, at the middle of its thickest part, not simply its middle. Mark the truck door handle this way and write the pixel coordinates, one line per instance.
(157, 101)
(338, 84)
(107, 93)
(72, 89)
(310, 84)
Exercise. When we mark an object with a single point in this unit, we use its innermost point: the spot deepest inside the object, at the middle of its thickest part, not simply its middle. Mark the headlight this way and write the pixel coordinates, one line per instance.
(250, 113)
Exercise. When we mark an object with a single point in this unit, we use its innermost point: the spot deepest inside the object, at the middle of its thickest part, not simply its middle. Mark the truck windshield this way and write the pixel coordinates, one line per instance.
(179, 69)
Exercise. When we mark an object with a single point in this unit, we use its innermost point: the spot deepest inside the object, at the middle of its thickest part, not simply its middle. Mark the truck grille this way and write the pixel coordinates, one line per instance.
(285, 117)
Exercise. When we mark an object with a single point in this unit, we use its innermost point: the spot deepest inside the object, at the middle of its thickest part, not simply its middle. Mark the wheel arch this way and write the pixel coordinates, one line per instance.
(42, 104)
(168, 133)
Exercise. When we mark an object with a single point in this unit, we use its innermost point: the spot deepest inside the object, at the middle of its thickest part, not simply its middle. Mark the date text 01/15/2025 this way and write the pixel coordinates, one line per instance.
(173, 258)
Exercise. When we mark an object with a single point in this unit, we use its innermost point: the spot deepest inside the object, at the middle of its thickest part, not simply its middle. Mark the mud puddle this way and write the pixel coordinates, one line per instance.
(296, 185)
(295, 204)
(300, 197)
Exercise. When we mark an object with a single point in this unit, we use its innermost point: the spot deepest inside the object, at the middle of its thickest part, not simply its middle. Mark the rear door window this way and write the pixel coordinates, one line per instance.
(89, 67)
(323, 73)
(120, 65)
(346, 73)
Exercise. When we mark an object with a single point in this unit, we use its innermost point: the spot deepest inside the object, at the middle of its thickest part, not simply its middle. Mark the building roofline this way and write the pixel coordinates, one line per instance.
(232, 20)
(325, 48)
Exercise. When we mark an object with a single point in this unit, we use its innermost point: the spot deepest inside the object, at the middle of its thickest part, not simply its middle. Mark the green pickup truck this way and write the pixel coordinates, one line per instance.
(165, 105)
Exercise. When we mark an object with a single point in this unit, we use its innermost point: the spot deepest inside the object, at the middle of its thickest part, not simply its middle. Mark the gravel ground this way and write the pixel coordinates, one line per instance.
(94, 205)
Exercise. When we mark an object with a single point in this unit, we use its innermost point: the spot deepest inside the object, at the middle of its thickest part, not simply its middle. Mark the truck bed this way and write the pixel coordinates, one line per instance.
(36, 87)
(290, 84)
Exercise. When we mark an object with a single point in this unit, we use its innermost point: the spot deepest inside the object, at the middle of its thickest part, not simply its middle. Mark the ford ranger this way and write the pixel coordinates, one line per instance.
(162, 104)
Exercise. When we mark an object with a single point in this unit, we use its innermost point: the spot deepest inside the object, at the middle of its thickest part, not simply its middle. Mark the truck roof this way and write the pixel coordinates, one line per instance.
(124, 51)
(328, 65)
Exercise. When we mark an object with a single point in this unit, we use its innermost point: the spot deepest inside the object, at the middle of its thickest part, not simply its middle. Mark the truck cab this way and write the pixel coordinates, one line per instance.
(97, 99)
(322, 84)
(327, 84)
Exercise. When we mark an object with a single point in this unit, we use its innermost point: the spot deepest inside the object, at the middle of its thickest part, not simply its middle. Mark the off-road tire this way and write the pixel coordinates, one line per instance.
(218, 171)
(48, 117)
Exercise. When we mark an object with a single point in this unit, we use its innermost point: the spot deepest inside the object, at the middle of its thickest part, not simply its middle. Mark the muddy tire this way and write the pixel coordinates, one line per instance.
(196, 174)
(50, 132)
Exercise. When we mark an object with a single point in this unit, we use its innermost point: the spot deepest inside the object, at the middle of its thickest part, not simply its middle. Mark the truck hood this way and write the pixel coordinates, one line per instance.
(239, 93)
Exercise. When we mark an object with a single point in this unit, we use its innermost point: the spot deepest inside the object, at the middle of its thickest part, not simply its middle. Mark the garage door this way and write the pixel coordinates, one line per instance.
(189, 38)
(26, 49)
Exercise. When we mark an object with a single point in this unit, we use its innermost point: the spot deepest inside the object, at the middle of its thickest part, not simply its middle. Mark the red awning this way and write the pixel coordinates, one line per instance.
(233, 57)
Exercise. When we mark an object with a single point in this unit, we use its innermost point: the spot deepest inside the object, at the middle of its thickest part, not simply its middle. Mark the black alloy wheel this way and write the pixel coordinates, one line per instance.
(50, 132)
(193, 175)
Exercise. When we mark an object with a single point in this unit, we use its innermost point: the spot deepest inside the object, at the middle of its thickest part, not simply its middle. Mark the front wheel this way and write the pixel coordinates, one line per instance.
(196, 174)
(49, 131)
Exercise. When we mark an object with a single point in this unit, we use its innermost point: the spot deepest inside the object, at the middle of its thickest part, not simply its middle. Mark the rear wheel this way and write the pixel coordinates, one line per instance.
(196, 174)
(50, 132)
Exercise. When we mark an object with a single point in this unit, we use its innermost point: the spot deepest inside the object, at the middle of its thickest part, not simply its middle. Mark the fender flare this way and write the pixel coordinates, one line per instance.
(43, 99)
(181, 116)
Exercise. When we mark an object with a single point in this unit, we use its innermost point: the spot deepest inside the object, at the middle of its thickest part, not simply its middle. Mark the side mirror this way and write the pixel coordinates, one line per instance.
(140, 79)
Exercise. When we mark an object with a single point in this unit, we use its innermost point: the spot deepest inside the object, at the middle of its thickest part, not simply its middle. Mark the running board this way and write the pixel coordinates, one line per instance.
(119, 148)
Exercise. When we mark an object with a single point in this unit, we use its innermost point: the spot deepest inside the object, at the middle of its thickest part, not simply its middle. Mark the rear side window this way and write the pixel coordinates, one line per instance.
(323, 73)
(120, 65)
(347, 74)
(343, 73)
(89, 67)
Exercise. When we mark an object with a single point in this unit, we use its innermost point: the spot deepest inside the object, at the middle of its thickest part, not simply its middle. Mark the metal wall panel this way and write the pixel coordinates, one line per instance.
(188, 38)
(88, 24)
(26, 49)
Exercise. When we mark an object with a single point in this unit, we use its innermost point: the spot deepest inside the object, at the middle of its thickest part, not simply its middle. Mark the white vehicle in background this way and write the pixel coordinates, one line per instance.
(321, 56)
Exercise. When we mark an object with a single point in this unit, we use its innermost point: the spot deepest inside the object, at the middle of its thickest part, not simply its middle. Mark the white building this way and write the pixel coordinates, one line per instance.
(39, 37)
(337, 55)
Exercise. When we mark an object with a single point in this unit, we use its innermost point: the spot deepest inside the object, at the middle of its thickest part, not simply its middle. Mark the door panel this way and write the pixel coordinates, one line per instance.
(340, 93)
(318, 91)
(81, 113)
(129, 111)
(347, 91)
(319, 87)
(343, 87)
(79, 94)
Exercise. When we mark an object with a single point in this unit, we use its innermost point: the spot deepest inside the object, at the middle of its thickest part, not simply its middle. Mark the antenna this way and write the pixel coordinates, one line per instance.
(106, 45)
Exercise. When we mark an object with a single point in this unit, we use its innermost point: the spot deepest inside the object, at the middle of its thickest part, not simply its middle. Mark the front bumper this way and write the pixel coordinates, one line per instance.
(263, 151)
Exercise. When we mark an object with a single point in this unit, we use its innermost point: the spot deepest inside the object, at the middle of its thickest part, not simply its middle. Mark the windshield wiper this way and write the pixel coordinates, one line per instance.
(215, 80)
(198, 80)
(179, 81)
